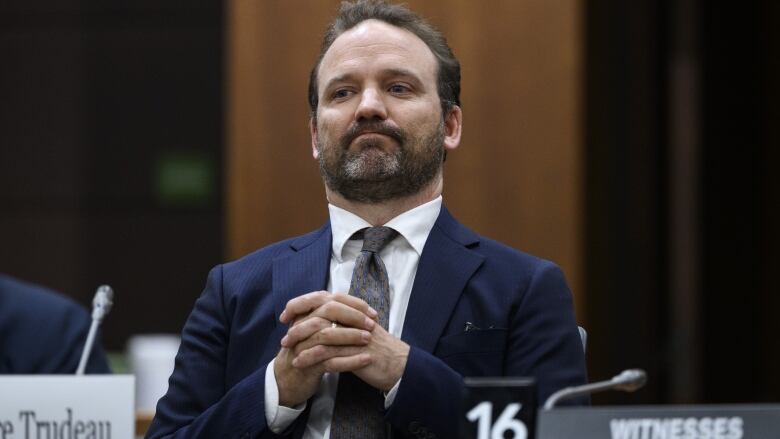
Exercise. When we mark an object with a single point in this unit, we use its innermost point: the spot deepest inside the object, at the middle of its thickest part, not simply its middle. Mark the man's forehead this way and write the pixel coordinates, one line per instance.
(374, 38)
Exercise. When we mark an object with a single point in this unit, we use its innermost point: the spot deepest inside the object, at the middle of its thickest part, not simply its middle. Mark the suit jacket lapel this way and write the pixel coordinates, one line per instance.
(304, 270)
(446, 265)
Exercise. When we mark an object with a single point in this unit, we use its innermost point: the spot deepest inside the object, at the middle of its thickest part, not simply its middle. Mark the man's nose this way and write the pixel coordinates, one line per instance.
(372, 105)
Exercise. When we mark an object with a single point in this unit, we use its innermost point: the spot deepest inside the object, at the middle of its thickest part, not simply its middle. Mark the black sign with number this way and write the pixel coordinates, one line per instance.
(499, 408)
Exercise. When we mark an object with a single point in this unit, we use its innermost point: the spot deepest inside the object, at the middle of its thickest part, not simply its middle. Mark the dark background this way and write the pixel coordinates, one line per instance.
(715, 341)
(97, 96)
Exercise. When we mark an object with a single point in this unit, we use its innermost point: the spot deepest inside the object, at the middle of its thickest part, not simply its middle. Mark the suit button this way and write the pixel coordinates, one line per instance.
(414, 427)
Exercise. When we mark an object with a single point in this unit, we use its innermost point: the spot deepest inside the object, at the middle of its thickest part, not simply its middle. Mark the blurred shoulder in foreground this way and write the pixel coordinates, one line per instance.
(43, 332)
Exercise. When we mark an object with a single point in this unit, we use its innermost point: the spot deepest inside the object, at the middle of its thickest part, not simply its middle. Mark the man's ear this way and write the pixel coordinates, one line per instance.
(315, 151)
(453, 122)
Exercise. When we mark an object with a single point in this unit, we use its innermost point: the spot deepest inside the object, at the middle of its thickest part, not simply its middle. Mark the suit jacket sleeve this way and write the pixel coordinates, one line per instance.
(542, 341)
(198, 403)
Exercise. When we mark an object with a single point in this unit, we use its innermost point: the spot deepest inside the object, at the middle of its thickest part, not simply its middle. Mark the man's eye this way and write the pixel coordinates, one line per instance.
(399, 89)
(339, 94)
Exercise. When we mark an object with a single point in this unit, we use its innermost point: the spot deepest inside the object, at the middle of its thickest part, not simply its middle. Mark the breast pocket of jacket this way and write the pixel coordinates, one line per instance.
(474, 353)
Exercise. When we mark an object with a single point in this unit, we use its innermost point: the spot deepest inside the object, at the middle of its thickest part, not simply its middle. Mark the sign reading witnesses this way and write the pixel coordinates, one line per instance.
(662, 422)
(67, 407)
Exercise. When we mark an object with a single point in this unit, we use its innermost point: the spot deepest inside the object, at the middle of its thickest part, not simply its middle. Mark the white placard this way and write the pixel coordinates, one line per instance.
(67, 407)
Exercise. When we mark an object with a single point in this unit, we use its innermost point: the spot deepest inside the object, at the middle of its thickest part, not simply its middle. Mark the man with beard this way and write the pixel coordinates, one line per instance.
(366, 327)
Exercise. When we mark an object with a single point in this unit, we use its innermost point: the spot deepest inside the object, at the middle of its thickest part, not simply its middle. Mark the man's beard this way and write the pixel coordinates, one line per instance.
(369, 174)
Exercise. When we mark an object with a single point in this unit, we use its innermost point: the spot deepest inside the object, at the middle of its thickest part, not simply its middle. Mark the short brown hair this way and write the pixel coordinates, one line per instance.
(353, 13)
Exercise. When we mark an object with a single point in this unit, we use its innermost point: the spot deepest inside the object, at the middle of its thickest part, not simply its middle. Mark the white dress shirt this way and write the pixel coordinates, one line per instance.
(401, 257)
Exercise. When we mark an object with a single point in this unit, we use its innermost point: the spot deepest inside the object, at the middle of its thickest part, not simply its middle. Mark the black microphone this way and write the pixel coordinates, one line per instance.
(101, 305)
(628, 381)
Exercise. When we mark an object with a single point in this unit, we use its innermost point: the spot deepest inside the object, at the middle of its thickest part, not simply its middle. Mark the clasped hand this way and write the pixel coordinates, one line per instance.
(313, 346)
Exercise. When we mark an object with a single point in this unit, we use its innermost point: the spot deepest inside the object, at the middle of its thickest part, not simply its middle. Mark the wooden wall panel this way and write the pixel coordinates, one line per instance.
(517, 176)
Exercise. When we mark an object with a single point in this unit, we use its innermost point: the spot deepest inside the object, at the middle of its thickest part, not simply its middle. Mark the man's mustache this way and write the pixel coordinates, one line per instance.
(378, 127)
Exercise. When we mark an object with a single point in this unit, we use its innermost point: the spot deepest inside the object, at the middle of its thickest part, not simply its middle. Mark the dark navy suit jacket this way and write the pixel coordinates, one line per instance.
(519, 304)
(42, 332)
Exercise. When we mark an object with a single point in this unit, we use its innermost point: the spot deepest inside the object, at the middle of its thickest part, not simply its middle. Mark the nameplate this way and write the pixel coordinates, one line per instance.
(662, 422)
(67, 407)
(498, 407)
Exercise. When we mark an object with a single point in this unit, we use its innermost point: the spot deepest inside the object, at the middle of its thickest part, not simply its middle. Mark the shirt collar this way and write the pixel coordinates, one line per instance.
(414, 225)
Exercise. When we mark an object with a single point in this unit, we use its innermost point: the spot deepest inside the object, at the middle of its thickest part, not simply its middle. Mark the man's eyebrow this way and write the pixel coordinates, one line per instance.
(336, 79)
(406, 73)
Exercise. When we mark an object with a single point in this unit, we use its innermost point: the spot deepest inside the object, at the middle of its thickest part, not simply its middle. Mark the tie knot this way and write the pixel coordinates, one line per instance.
(376, 238)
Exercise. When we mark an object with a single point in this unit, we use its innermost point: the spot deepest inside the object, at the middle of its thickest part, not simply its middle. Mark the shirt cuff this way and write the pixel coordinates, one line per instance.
(390, 395)
(278, 417)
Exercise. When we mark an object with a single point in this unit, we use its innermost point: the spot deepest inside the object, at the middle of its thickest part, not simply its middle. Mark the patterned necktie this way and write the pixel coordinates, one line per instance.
(359, 408)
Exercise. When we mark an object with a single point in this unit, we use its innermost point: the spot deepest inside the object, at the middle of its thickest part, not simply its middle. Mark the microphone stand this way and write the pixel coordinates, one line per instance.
(101, 305)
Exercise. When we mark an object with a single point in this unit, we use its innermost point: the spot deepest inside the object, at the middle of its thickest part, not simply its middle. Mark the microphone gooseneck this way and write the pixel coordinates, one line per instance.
(627, 381)
(101, 305)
